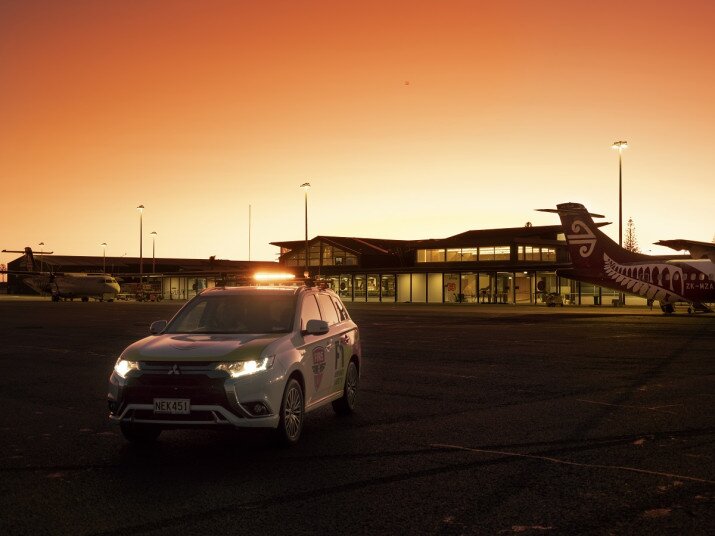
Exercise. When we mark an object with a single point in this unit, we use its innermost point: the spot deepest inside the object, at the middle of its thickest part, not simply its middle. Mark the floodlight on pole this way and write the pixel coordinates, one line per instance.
(140, 208)
(41, 244)
(153, 252)
(104, 257)
(306, 186)
(620, 146)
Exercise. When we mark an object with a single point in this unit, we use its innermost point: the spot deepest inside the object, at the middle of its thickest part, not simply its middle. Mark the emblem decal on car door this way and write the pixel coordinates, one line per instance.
(318, 365)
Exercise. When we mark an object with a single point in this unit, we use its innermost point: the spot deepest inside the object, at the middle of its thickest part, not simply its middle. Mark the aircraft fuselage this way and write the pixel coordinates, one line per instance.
(665, 281)
(598, 259)
(100, 286)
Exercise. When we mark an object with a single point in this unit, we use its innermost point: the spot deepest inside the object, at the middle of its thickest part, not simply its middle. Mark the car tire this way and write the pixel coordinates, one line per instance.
(345, 405)
(139, 433)
(292, 412)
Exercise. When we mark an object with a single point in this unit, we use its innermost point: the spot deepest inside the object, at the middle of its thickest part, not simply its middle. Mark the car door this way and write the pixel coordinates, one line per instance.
(339, 345)
(317, 349)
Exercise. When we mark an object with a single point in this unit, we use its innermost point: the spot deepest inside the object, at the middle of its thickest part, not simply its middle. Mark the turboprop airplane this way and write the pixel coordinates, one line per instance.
(65, 285)
(598, 259)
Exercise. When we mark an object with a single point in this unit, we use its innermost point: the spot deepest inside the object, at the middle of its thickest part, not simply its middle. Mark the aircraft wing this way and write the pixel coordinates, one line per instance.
(698, 250)
(565, 210)
(29, 272)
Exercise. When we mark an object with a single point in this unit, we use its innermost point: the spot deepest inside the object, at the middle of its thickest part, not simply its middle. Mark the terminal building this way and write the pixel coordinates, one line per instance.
(515, 265)
(511, 265)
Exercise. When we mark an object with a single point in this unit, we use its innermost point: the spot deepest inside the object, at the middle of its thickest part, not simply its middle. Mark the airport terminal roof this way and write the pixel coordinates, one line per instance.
(130, 265)
(467, 238)
(492, 236)
(375, 246)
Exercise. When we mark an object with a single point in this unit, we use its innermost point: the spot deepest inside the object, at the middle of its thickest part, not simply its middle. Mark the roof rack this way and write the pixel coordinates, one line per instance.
(322, 284)
(262, 279)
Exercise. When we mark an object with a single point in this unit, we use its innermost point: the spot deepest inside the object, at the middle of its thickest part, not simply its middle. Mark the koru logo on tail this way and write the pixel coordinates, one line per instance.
(583, 237)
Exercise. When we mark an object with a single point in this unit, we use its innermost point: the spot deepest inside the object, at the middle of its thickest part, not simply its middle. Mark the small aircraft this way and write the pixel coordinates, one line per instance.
(62, 285)
(599, 260)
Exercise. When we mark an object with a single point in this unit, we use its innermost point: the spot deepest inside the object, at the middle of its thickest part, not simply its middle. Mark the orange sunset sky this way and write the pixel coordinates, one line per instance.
(411, 119)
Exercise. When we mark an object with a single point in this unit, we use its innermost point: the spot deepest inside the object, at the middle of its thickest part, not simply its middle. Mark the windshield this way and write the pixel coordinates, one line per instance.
(237, 313)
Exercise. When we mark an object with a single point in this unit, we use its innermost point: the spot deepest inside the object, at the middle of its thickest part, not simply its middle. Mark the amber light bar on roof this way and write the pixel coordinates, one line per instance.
(273, 276)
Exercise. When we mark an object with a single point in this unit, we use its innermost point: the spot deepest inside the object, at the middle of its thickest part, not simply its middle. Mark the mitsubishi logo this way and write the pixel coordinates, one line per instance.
(175, 369)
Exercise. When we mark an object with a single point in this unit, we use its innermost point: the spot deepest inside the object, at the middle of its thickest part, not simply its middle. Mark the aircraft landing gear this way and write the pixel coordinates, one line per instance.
(55, 297)
(667, 308)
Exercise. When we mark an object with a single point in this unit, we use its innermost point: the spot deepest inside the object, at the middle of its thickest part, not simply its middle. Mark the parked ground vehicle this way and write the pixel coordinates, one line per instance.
(140, 292)
(552, 299)
(255, 357)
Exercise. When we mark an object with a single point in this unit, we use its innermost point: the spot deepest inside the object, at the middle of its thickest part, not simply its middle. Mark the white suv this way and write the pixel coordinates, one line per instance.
(255, 357)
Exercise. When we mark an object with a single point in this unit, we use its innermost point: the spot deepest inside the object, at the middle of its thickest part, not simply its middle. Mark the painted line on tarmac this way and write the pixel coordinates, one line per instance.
(659, 409)
(575, 464)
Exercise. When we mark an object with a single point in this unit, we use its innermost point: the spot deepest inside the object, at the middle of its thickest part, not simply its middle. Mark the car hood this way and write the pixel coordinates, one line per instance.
(199, 347)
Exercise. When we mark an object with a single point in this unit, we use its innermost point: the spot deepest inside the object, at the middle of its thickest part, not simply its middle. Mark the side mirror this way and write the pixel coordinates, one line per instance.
(316, 327)
(157, 327)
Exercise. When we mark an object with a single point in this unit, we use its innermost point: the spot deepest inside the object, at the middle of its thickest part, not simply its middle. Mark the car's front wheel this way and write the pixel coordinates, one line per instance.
(346, 403)
(139, 433)
(290, 424)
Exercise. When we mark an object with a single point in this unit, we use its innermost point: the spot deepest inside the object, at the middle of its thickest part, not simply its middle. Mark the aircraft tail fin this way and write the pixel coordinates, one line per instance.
(29, 260)
(588, 245)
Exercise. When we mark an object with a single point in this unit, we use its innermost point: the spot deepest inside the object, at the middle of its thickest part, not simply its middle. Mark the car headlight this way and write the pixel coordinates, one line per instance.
(237, 369)
(123, 367)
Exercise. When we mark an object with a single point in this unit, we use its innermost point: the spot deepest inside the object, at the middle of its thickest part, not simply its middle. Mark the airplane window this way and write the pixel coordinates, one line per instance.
(692, 276)
(701, 277)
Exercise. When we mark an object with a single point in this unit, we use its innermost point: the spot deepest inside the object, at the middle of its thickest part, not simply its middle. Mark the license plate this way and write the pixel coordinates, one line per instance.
(173, 406)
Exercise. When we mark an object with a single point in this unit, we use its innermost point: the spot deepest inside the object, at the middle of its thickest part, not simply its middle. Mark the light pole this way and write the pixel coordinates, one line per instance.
(306, 187)
(620, 146)
(104, 257)
(153, 252)
(140, 208)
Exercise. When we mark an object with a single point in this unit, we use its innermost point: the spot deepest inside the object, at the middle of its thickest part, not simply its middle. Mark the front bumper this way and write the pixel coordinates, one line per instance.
(215, 398)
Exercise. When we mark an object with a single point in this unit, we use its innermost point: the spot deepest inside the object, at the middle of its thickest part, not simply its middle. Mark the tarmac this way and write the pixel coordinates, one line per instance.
(471, 419)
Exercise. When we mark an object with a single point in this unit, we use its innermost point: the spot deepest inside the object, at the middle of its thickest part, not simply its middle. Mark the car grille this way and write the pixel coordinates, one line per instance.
(201, 383)
(184, 367)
